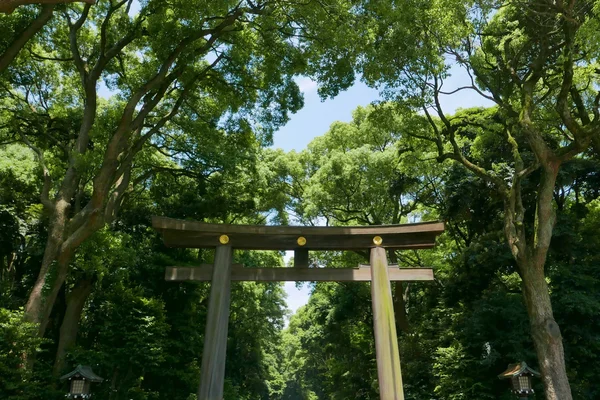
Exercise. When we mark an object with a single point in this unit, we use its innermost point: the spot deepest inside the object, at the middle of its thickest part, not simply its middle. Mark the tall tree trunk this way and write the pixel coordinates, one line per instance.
(530, 255)
(400, 307)
(545, 332)
(70, 325)
(48, 283)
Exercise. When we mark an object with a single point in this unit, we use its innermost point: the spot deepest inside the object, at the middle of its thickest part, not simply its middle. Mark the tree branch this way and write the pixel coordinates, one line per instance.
(44, 195)
(104, 26)
(22, 38)
(457, 154)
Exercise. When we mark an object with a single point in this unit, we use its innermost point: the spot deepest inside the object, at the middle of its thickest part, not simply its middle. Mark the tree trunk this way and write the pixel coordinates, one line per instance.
(48, 283)
(70, 324)
(545, 332)
(8, 270)
(113, 384)
(530, 255)
(41, 301)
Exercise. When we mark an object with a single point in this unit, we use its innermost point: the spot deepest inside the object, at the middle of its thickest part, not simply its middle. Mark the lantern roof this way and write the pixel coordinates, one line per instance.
(517, 370)
(84, 371)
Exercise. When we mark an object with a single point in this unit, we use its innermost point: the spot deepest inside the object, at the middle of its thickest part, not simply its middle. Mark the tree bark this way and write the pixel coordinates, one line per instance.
(70, 324)
(17, 45)
(545, 332)
(47, 285)
(530, 255)
(113, 383)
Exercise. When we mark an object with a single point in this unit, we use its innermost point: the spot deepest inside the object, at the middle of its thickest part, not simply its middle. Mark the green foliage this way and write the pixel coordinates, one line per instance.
(85, 108)
(357, 173)
(465, 329)
(16, 338)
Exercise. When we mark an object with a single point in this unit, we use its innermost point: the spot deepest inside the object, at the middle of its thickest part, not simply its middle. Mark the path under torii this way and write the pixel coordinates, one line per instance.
(225, 238)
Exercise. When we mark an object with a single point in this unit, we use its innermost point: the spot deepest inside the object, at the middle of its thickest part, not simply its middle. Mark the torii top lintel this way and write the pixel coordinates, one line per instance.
(182, 233)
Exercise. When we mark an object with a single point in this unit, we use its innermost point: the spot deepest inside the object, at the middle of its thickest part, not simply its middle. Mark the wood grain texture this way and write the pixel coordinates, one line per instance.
(239, 273)
(179, 233)
(386, 340)
(212, 372)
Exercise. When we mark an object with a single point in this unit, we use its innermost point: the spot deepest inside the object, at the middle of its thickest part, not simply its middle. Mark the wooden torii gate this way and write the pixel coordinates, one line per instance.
(224, 238)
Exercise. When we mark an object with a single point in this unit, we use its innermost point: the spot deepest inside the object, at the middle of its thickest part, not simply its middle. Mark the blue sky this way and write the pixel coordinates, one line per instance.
(316, 116)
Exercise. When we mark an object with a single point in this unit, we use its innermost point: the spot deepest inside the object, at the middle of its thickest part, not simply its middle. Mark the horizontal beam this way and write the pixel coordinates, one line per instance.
(193, 234)
(196, 226)
(279, 242)
(240, 273)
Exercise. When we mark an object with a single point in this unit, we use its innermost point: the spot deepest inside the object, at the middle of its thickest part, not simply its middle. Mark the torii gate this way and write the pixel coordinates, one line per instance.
(223, 237)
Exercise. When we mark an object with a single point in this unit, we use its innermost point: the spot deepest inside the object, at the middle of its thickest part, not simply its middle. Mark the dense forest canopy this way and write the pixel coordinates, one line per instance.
(116, 110)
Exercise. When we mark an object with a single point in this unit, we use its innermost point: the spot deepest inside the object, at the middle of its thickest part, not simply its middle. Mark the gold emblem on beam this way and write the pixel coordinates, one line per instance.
(377, 240)
(224, 239)
(301, 241)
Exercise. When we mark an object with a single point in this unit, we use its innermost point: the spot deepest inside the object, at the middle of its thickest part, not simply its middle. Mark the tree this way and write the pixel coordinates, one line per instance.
(471, 322)
(226, 70)
(223, 183)
(331, 346)
(535, 61)
(360, 174)
(130, 309)
(357, 173)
